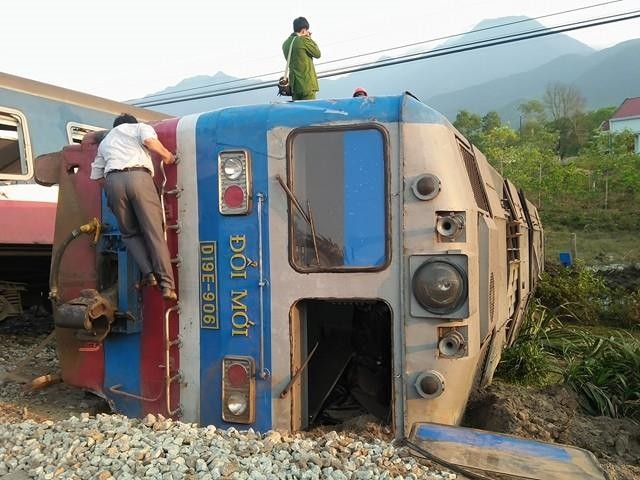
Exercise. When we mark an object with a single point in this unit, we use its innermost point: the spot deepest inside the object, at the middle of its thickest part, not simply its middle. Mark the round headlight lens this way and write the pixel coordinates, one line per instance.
(237, 404)
(439, 286)
(232, 168)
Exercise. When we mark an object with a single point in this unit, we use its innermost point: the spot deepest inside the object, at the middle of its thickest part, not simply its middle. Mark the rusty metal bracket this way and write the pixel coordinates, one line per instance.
(286, 390)
(116, 389)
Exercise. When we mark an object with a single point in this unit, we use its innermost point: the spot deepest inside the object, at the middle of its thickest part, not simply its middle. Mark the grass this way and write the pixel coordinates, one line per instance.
(606, 331)
(584, 330)
(594, 247)
(527, 361)
(602, 365)
(605, 372)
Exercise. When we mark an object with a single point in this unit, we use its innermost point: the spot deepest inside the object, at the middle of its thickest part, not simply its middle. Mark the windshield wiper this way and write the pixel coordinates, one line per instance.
(307, 216)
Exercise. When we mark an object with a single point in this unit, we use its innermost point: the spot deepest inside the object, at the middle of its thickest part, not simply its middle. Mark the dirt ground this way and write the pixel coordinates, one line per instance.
(17, 401)
(549, 414)
(552, 414)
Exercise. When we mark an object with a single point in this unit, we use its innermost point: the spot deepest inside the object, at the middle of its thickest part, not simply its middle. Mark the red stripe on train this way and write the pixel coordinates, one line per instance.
(25, 222)
(152, 342)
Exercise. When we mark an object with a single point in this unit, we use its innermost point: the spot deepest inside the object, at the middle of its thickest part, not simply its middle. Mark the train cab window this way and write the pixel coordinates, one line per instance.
(77, 131)
(14, 157)
(338, 215)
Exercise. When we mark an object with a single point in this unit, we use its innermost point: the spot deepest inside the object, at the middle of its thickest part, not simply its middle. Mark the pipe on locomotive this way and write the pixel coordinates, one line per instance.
(94, 227)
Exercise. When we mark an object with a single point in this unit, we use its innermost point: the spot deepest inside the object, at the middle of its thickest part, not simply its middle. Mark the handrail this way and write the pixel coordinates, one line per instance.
(168, 378)
(116, 389)
(262, 284)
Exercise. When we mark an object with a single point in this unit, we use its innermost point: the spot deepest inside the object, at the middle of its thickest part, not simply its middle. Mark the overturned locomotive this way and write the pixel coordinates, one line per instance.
(333, 258)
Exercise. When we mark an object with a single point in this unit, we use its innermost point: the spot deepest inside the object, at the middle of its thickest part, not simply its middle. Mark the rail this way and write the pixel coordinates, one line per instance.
(262, 283)
(168, 377)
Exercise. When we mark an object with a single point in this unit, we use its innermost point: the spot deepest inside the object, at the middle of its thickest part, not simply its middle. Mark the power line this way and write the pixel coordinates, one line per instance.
(418, 56)
(414, 57)
(385, 50)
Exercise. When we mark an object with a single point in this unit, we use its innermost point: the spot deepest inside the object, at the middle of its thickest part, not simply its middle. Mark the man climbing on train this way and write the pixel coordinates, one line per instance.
(124, 167)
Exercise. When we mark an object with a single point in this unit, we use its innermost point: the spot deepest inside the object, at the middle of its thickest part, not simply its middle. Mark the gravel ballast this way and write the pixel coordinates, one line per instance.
(114, 446)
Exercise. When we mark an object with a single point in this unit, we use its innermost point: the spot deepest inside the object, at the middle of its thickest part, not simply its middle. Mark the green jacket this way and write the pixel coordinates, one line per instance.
(302, 73)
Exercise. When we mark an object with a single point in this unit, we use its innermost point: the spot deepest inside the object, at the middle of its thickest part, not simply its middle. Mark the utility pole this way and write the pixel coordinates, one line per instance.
(574, 246)
(520, 131)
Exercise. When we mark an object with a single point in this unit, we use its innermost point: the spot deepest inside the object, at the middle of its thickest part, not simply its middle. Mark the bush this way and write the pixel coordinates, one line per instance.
(604, 370)
(588, 297)
(605, 373)
(591, 219)
(529, 360)
(577, 292)
(624, 309)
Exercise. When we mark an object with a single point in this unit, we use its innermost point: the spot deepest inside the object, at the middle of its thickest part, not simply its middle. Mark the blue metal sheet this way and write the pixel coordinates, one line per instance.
(364, 198)
(128, 271)
(51, 116)
(122, 367)
(122, 351)
(414, 111)
(265, 117)
(237, 274)
(506, 454)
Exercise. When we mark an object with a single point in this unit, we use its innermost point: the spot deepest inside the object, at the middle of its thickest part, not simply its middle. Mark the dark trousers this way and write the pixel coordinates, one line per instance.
(134, 200)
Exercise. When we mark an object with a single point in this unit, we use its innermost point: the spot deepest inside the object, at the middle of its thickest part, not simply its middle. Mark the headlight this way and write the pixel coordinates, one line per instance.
(439, 286)
(237, 404)
(232, 168)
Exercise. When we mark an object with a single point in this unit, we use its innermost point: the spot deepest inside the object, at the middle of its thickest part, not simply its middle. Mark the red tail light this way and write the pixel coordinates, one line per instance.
(234, 183)
(238, 389)
(233, 196)
(237, 375)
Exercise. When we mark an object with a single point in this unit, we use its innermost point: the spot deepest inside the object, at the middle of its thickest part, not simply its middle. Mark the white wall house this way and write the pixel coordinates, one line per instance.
(627, 117)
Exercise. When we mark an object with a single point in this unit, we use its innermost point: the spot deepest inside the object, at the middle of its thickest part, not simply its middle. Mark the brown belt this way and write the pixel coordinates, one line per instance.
(131, 169)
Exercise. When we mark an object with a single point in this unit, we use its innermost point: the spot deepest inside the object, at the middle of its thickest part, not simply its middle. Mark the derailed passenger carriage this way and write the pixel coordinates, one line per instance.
(333, 259)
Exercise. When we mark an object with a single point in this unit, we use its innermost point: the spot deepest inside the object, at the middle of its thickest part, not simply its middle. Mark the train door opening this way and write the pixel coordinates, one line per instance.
(347, 345)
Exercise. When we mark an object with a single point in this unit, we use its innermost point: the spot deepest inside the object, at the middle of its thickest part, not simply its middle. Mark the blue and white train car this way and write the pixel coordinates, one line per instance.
(36, 118)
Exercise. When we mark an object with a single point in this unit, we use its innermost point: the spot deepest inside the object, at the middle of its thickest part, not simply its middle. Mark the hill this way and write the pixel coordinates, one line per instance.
(605, 78)
(425, 78)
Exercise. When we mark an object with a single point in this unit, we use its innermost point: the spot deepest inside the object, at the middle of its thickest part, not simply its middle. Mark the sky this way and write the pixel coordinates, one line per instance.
(127, 49)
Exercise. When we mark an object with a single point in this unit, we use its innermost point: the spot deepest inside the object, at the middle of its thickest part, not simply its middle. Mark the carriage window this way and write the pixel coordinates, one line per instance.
(337, 202)
(76, 132)
(13, 158)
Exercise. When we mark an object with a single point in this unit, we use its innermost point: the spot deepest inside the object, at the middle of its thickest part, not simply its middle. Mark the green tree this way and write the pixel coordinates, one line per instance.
(595, 118)
(532, 117)
(532, 165)
(566, 104)
(614, 169)
(491, 121)
(469, 124)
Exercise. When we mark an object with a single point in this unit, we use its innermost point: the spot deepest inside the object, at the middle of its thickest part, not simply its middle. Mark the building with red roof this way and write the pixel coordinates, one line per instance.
(627, 117)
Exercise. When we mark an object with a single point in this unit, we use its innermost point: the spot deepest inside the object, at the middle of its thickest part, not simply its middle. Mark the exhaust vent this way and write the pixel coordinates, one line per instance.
(477, 185)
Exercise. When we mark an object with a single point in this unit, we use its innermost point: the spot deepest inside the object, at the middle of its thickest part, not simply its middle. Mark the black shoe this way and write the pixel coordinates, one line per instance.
(149, 280)
(169, 294)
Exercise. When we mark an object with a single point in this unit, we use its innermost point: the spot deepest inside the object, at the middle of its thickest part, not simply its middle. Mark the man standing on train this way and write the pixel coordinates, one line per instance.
(124, 167)
(302, 73)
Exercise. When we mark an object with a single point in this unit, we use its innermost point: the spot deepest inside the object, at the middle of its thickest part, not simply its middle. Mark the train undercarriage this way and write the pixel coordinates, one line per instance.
(24, 278)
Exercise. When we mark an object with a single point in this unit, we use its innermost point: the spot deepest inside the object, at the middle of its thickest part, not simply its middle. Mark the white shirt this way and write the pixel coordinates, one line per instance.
(123, 147)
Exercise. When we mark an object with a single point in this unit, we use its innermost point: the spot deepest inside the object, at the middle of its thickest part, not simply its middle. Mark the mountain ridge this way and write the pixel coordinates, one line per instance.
(494, 78)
